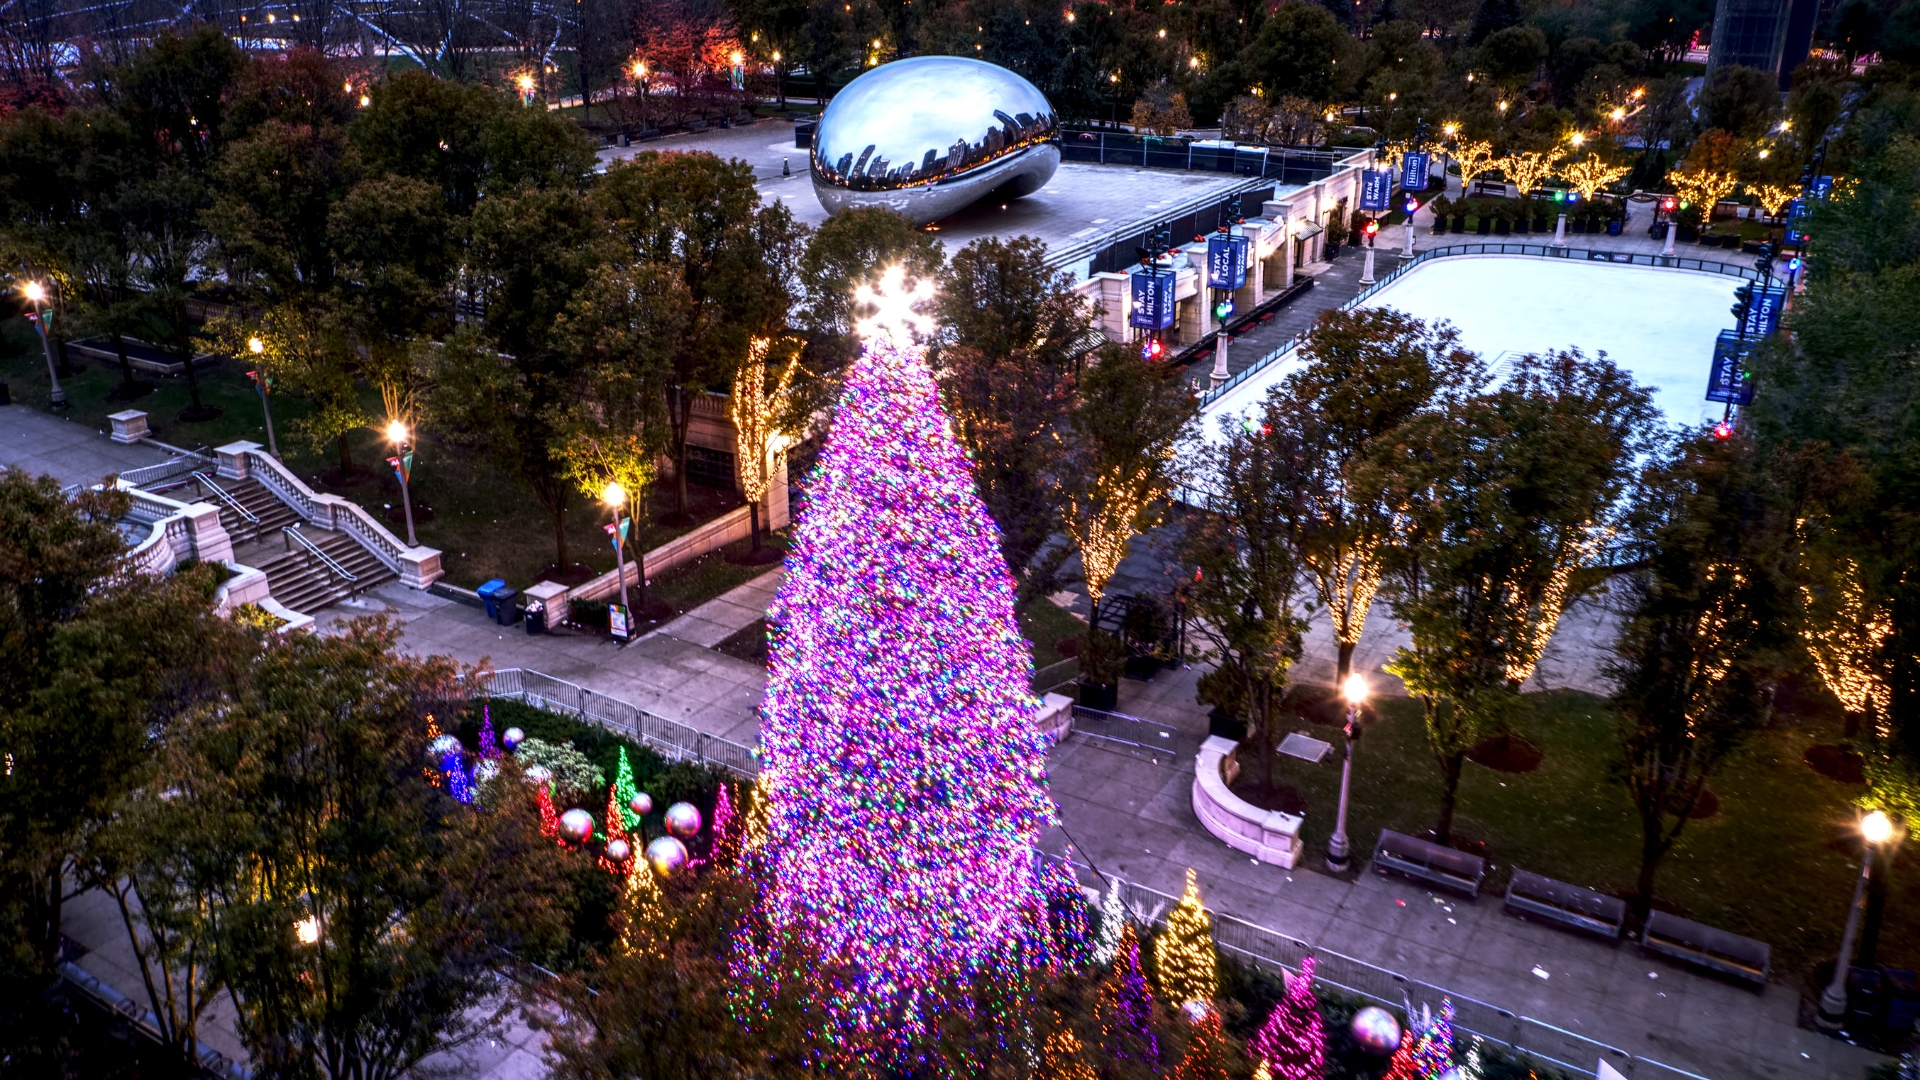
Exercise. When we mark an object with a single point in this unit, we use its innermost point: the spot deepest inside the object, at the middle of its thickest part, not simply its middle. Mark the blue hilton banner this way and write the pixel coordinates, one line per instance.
(1796, 216)
(1763, 314)
(1376, 189)
(1730, 381)
(1152, 300)
(1226, 262)
(1413, 176)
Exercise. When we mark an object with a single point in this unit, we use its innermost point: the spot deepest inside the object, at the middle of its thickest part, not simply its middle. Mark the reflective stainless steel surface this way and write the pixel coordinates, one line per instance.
(929, 135)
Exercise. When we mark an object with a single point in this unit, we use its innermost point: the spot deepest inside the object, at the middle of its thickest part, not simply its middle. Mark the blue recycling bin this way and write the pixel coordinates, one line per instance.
(498, 598)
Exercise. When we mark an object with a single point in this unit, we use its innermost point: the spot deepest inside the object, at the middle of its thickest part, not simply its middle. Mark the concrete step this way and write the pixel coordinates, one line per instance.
(302, 583)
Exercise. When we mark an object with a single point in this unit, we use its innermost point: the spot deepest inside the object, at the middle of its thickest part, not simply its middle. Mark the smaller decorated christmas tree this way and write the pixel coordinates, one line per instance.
(1206, 1056)
(549, 816)
(1292, 1044)
(1113, 925)
(1401, 1066)
(725, 828)
(1067, 918)
(1126, 1005)
(1062, 1058)
(624, 789)
(489, 746)
(642, 905)
(1433, 1054)
(1184, 953)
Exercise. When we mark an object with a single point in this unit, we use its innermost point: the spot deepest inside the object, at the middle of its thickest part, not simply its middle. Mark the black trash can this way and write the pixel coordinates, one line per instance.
(536, 617)
(508, 601)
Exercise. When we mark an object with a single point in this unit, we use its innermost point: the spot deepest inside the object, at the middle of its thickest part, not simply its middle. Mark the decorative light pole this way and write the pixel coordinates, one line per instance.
(261, 379)
(402, 463)
(42, 319)
(1876, 829)
(1355, 691)
(615, 497)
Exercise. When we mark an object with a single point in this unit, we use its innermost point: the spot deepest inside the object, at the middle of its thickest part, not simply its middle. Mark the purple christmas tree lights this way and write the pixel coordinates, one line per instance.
(1292, 1043)
(904, 779)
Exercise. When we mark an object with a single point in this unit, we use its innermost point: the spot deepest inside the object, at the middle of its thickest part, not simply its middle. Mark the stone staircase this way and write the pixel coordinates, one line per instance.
(270, 515)
(305, 582)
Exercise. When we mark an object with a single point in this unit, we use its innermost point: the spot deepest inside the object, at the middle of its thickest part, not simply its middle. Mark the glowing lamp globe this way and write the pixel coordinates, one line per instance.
(666, 855)
(512, 738)
(619, 850)
(641, 803)
(683, 820)
(1375, 1029)
(576, 825)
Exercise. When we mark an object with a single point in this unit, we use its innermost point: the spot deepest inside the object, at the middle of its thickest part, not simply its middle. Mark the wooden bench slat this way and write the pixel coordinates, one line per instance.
(1573, 905)
(1429, 862)
(1708, 947)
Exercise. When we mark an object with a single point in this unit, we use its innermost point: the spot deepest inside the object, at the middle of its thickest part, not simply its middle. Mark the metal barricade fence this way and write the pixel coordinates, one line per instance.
(1136, 735)
(672, 739)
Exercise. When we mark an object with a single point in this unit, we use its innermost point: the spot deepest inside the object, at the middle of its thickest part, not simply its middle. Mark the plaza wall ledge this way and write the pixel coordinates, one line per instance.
(417, 567)
(1270, 836)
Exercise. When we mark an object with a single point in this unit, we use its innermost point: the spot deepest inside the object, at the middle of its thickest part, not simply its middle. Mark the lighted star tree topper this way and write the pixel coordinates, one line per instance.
(903, 776)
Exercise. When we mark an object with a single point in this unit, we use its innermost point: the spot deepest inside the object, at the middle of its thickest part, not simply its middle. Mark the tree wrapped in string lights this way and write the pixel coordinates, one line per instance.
(1293, 1042)
(903, 777)
(1184, 952)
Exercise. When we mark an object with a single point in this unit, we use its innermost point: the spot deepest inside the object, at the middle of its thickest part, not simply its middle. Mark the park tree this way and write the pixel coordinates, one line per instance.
(1493, 16)
(1130, 420)
(1008, 355)
(762, 407)
(1367, 373)
(1244, 598)
(1741, 100)
(407, 895)
(733, 263)
(1297, 52)
(1505, 500)
(1512, 57)
(1713, 606)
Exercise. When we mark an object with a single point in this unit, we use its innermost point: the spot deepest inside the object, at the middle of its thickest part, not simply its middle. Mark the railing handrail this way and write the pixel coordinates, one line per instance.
(165, 470)
(278, 479)
(206, 481)
(1546, 251)
(293, 532)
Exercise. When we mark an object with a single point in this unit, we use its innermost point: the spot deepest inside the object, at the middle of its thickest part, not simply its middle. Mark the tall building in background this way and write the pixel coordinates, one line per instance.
(1772, 35)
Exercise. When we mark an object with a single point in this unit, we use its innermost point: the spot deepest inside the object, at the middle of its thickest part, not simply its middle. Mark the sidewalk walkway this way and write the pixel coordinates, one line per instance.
(41, 442)
(727, 614)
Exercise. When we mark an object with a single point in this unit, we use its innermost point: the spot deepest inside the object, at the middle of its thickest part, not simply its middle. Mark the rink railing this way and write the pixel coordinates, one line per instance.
(1539, 251)
(1554, 1047)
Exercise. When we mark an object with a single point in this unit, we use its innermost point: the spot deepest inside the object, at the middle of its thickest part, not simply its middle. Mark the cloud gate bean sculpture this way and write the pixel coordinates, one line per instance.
(931, 135)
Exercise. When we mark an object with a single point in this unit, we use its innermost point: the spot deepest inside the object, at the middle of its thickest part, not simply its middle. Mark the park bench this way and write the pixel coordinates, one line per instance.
(1431, 863)
(1707, 947)
(1570, 905)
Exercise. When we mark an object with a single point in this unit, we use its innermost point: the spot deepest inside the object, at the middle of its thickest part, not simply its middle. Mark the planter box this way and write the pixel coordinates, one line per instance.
(1541, 223)
(1459, 223)
(1520, 226)
(1439, 226)
(1689, 233)
(1613, 227)
(1225, 726)
(1142, 667)
(1503, 227)
(1486, 227)
(1578, 225)
(1099, 696)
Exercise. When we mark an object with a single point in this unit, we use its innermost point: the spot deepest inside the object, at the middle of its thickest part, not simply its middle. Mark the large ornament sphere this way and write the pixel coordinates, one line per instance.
(683, 820)
(512, 738)
(444, 745)
(539, 774)
(576, 825)
(618, 850)
(641, 803)
(666, 855)
(1375, 1029)
(930, 135)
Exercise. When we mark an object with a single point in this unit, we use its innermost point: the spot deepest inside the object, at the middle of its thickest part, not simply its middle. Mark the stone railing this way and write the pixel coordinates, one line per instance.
(417, 567)
(179, 531)
(1268, 835)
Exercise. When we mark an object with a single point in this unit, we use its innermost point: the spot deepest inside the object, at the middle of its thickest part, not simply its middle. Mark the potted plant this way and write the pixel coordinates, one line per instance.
(1146, 628)
(1542, 221)
(1486, 221)
(1439, 208)
(1503, 222)
(1223, 690)
(1101, 658)
(1460, 216)
(1520, 222)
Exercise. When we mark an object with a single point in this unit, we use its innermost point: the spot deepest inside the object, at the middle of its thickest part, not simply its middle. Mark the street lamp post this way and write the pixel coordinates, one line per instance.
(402, 464)
(615, 497)
(1355, 691)
(1876, 829)
(36, 295)
(259, 348)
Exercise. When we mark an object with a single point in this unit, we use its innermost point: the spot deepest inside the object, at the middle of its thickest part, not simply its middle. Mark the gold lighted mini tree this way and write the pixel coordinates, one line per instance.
(1846, 632)
(1773, 197)
(1473, 158)
(757, 406)
(1704, 188)
(1118, 504)
(1184, 952)
(1528, 170)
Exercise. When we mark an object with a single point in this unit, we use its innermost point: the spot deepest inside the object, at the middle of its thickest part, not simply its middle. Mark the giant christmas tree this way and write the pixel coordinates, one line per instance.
(903, 777)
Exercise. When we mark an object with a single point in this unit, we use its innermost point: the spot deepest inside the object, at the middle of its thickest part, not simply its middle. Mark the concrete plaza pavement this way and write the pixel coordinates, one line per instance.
(45, 443)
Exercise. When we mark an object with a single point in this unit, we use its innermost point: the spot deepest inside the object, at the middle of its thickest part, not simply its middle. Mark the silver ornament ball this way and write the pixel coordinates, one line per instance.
(1375, 1029)
(486, 771)
(538, 774)
(444, 745)
(683, 820)
(512, 738)
(618, 850)
(641, 803)
(666, 855)
(576, 825)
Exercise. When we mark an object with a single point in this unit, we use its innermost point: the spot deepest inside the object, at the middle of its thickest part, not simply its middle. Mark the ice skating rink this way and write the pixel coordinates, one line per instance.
(1658, 324)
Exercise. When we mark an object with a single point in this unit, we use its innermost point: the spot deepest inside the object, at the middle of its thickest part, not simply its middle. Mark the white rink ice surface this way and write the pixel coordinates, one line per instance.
(1657, 324)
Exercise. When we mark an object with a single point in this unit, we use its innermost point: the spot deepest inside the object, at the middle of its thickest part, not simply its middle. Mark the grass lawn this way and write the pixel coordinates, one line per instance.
(487, 523)
(1044, 623)
(1774, 863)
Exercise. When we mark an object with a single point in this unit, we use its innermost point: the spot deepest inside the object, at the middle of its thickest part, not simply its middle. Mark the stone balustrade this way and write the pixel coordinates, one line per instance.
(1271, 836)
